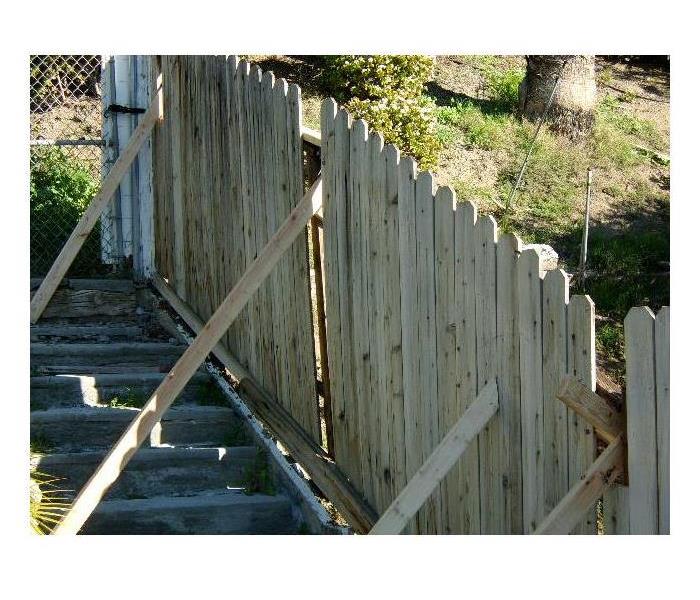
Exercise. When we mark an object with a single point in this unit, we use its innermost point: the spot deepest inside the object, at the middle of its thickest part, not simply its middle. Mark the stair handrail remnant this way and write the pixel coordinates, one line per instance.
(174, 382)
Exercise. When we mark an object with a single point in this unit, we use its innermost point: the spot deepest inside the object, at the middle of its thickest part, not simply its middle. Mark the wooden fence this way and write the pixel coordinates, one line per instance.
(643, 506)
(426, 304)
(227, 166)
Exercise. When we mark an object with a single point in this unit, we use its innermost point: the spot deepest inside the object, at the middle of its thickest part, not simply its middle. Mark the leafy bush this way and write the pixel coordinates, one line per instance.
(387, 91)
(371, 77)
(60, 189)
(503, 86)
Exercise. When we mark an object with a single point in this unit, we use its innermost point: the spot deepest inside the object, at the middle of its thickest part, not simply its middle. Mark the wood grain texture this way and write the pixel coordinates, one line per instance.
(445, 330)
(555, 300)
(229, 171)
(486, 237)
(662, 349)
(641, 421)
(531, 389)
(468, 496)
(430, 516)
(505, 428)
(581, 352)
(573, 508)
(438, 464)
(409, 314)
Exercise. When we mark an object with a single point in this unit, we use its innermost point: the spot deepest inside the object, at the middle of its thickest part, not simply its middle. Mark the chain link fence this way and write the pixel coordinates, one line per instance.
(66, 160)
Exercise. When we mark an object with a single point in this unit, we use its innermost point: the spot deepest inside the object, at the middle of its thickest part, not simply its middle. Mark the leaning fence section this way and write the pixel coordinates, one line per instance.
(426, 304)
(227, 172)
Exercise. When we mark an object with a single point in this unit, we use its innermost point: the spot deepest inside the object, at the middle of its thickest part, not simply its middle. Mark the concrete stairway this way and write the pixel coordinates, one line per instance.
(93, 365)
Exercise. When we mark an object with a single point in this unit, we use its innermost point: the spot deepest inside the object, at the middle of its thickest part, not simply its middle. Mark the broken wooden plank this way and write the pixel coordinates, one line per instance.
(68, 304)
(607, 422)
(439, 463)
(578, 502)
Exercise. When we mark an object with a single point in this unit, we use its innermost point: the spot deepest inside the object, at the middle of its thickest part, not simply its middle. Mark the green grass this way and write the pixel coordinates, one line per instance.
(40, 443)
(474, 126)
(628, 270)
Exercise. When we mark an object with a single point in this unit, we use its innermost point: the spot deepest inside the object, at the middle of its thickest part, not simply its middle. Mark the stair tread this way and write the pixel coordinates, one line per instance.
(154, 455)
(209, 498)
(126, 413)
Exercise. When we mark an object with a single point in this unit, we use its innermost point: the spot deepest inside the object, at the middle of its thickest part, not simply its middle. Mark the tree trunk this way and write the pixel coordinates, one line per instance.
(573, 104)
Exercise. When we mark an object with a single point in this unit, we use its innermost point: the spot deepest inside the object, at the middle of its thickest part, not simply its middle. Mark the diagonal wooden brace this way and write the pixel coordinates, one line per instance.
(605, 470)
(140, 428)
(438, 464)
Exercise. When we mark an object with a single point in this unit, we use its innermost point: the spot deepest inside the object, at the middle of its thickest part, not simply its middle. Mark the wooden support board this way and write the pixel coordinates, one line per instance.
(606, 420)
(434, 469)
(140, 428)
(324, 472)
(96, 207)
(581, 498)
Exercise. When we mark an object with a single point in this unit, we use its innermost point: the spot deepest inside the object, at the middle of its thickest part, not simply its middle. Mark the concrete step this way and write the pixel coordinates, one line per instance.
(89, 428)
(76, 357)
(227, 513)
(156, 471)
(98, 332)
(105, 285)
(70, 390)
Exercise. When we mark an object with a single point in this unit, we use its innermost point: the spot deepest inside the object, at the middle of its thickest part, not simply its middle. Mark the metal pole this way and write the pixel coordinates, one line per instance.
(584, 241)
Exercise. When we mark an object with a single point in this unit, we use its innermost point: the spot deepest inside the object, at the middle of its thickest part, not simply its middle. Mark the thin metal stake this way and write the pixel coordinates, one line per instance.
(584, 241)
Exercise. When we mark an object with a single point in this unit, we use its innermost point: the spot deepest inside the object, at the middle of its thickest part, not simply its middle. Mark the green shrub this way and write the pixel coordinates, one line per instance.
(406, 122)
(387, 91)
(503, 86)
(59, 191)
(370, 77)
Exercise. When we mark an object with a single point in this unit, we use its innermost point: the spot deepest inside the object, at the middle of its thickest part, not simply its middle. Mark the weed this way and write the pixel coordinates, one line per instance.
(40, 443)
(628, 270)
(479, 129)
(609, 111)
(605, 76)
(610, 342)
(129, 399)
(257, 478)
